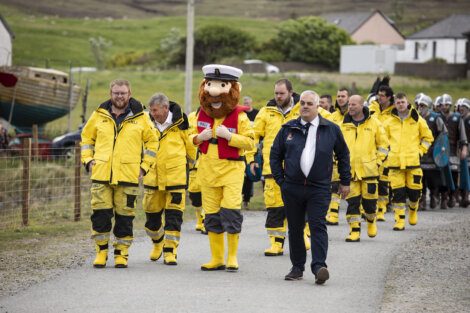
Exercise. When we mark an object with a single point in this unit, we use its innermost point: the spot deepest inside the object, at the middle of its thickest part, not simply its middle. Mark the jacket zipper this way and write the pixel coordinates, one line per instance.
(116, 133)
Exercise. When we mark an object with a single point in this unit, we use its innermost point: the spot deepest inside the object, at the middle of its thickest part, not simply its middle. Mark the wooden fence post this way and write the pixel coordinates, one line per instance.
(26, 144)
(77, 188)
(35, 151)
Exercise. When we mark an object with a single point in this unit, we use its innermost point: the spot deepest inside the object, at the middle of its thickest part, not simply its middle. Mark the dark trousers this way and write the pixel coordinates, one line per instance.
(314, 201)
(247, 190)
(431, 180)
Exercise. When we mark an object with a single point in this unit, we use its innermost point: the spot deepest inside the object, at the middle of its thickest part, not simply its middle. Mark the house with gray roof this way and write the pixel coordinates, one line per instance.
(367, 27)
(443, 40)
(6, 38)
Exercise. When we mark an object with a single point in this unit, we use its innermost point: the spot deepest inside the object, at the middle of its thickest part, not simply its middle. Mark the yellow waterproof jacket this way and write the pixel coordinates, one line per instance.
(215, 172)
(376, 111)
(368, 145)
(409, 139)
(267, 124)
(324, 113)
(174, 148)
(119, 152)
(193, 153)
(337, 117)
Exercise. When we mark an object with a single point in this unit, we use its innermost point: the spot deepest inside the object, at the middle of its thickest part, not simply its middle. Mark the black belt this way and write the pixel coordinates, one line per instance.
(215, 141)
(241, 158)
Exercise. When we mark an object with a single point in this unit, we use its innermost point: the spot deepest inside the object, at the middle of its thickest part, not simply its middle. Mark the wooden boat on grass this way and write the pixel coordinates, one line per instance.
(30, 95)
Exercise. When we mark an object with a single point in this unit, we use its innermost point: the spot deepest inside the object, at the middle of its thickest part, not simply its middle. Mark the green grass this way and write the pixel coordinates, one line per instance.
(259, 87)
(66, 40)
(410, 16)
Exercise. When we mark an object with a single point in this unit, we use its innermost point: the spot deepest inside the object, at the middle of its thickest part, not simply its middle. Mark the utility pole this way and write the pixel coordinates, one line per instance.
(189, 57)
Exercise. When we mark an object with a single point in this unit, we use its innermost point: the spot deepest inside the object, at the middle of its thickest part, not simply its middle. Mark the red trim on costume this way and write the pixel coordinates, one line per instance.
(231, 122)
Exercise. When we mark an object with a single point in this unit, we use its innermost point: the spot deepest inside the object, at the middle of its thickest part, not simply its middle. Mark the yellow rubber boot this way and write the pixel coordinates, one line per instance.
(307, 237)
(413, 217)
(381, 208)
(170, 247)
(413, 213)
(332, 216)
(363, 213)
(157, 250)
(232, 262)
(121, 255)
(200, 220)
(217, 263)
(277, 246)
(371, 225)
(101, 247)
(399, 220)
(354, 228)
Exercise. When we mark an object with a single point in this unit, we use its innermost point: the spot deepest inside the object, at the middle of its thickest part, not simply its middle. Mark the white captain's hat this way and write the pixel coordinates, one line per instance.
(221, 72)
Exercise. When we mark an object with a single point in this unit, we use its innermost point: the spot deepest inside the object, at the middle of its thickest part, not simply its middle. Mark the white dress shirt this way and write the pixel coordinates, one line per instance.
(166, 124)
(308, 154)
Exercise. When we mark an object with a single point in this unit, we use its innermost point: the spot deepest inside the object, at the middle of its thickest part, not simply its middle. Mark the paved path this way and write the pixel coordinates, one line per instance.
(357, 277)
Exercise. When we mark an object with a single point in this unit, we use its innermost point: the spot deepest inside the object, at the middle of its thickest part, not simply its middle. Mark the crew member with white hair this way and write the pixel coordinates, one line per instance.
(165, 184)
(301, 161)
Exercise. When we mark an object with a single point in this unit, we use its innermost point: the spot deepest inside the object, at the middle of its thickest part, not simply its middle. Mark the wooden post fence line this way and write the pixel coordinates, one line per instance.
(26, 144)
(77, 189)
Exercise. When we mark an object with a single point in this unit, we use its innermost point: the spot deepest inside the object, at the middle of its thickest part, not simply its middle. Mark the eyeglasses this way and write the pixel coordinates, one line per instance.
(117, 94)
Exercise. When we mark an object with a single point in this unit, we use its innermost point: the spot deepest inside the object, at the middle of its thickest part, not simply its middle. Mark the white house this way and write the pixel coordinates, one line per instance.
(444, 40)
(6, 47)
(377, 59)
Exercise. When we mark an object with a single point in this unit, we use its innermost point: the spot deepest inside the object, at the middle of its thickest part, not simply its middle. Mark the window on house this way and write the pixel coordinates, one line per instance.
(416, 50)
(434, 49)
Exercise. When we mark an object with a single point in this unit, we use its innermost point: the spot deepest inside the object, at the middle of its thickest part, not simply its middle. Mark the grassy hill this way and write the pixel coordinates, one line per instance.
(63, 40)
(410, 15)
(61, 37)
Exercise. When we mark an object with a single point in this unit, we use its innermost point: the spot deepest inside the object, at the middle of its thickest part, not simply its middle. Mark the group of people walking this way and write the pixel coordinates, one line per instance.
(366, 151)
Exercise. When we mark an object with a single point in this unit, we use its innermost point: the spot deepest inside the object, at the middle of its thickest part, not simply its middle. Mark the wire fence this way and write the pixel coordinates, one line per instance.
(41, 185)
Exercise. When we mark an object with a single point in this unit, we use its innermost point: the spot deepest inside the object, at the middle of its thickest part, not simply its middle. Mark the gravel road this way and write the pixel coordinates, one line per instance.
(423, 269)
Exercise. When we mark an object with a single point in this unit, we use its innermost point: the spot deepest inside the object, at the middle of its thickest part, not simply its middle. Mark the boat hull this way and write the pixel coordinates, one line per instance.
(39, 96)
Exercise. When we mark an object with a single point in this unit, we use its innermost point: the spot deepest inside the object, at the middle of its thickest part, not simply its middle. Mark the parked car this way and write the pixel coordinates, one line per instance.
(254, 64)
(15, 146)
(65, 144)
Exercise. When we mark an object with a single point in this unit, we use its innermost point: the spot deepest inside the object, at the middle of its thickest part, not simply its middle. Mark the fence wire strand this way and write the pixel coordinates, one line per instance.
(51, 180)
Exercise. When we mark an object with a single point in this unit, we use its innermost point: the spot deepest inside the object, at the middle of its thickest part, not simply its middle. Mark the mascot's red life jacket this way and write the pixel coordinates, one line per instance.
(231, 122)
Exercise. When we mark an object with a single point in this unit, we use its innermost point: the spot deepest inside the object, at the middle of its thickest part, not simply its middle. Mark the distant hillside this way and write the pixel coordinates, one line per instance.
(410, 15)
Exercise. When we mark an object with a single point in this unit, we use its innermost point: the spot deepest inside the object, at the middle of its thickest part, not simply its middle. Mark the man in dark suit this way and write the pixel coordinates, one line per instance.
(301, 161)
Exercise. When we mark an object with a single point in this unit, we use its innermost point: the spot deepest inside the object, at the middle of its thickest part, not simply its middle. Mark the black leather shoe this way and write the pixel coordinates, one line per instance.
(322, 276)
(294, 274)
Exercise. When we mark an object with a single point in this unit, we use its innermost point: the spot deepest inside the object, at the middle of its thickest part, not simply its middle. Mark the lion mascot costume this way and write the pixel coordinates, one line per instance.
(223, 135)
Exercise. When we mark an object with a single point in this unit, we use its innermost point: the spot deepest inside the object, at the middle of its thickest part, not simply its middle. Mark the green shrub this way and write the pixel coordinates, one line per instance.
(310, 40)
(212, 43)
(437, 61)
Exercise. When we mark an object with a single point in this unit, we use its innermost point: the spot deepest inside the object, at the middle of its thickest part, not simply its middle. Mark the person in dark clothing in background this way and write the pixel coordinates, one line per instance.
(247, 190)
(301, 161)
